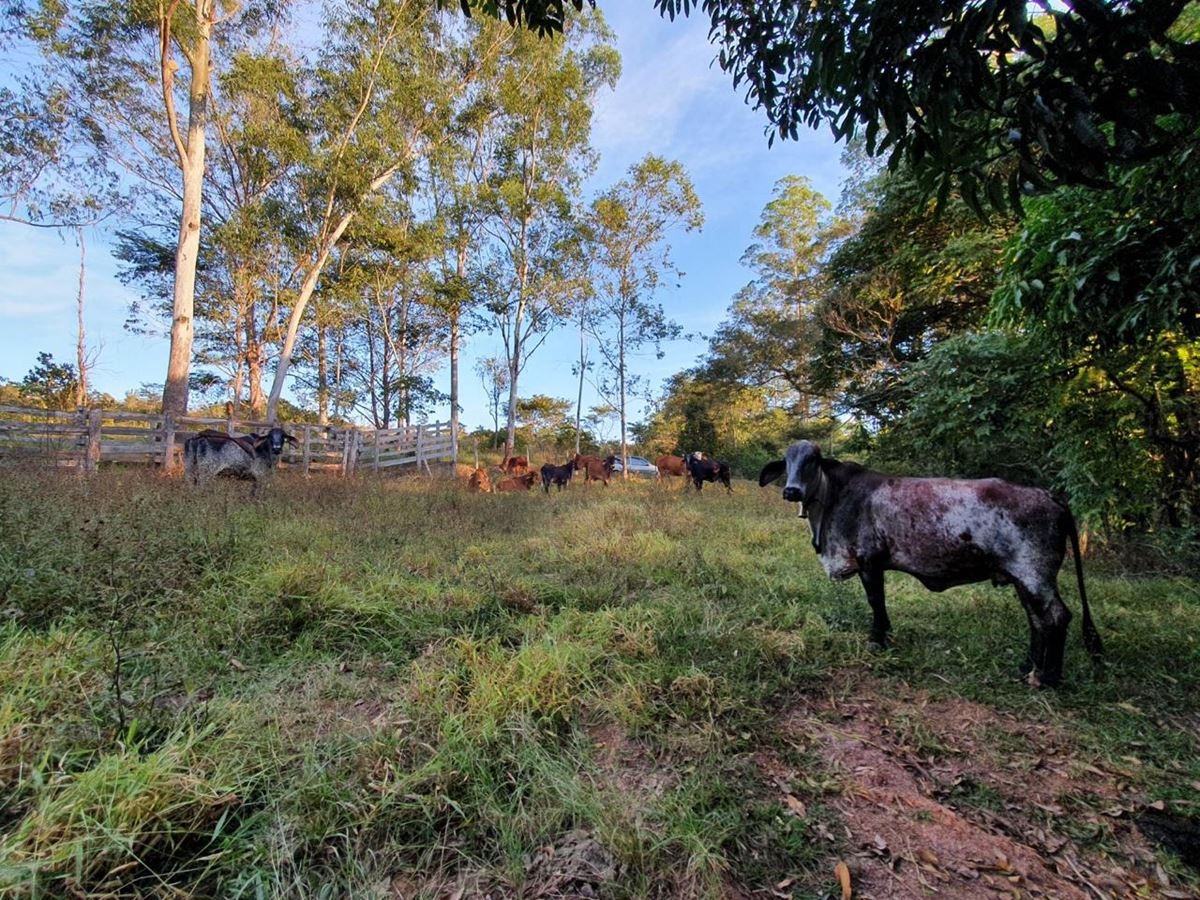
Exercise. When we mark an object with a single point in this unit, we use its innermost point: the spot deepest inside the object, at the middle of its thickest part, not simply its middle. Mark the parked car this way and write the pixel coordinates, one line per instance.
(638, 465)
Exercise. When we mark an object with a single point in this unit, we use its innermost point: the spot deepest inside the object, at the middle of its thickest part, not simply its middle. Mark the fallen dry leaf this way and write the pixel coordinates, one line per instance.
(796, 805)
(843, 876)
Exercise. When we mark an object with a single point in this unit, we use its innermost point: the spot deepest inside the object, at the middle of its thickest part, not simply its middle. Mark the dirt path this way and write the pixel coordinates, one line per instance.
(951, 799)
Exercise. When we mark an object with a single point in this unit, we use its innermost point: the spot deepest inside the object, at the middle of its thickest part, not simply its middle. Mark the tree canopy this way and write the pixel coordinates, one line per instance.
(998, 97)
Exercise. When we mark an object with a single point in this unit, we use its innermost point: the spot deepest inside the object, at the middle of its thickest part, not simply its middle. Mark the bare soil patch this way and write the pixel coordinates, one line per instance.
(953, 799)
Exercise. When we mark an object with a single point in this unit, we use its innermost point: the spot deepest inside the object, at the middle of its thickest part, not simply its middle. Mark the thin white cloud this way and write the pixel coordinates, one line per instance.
(34, 273)
(663, 84)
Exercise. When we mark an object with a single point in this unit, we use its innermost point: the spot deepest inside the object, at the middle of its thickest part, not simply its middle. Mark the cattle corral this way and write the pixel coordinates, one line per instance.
(398, 687)
(88, 438)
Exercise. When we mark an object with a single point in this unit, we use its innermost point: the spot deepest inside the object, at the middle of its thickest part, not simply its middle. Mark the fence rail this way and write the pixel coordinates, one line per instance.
(87, 438)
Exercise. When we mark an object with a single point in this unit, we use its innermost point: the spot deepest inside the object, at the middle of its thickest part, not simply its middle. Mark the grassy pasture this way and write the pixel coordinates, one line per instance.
(401, 689)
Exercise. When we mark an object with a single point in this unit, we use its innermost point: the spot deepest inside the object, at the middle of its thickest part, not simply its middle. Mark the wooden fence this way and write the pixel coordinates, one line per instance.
(88, 438)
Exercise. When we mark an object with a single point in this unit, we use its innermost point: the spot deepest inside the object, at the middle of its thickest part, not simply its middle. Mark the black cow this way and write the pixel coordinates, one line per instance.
(212, 453)
(702, 470)
(558, 475)
(944, 532)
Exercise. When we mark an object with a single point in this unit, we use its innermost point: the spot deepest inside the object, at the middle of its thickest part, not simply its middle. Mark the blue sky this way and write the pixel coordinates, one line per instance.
(672, 100)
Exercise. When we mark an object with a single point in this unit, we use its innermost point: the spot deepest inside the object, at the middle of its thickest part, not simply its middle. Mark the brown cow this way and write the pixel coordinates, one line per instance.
(670, 465)
(515, 465)
(480, 482)
(516, 483)
(592, 467)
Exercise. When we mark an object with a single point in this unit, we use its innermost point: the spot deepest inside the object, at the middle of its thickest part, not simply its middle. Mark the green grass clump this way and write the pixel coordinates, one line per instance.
(351, 687)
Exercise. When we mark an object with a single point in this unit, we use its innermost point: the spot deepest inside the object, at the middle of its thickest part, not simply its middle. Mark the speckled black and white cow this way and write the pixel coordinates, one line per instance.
(944, 532)
(212, 453)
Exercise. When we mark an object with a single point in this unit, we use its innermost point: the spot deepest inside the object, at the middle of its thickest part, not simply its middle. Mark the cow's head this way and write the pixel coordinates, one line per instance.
(275, 439)
(806, 483)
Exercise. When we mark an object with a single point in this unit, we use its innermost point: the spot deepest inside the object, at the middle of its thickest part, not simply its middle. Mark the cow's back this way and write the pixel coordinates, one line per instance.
(960, 530)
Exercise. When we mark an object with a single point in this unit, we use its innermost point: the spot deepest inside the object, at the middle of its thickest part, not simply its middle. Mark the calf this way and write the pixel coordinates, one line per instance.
(212, 453)
(592, 467)
(557, 475)
(480, 482)
(944, 532)
(516, 483)
(703, 470)
(515, 465)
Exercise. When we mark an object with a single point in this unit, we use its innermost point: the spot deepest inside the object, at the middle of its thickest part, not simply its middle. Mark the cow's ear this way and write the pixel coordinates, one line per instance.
(771, 471)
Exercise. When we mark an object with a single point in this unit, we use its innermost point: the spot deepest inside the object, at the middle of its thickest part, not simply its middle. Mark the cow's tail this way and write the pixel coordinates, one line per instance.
(1091, 637)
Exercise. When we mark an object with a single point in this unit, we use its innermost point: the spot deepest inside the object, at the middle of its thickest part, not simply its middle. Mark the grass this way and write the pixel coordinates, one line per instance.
(352, 688)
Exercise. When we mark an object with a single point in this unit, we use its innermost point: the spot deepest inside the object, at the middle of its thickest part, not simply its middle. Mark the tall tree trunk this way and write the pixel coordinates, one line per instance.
(403, 362)
(191, 161)
(81, 360)
(376, 389)
(510, 438)
(621, 383)
(514, 359)
(455, 340)
(309, 286)
(582, 370)
(337, 373)
(322, 375)
(255, 363)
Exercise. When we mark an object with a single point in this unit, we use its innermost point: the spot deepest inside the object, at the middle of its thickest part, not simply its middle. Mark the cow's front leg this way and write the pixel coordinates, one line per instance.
(872, 581)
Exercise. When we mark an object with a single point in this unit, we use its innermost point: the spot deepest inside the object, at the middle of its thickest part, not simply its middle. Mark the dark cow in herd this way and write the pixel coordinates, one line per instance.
(557, 475)
(211, 453)
(944, 532)
(592, 467)
(702, 470)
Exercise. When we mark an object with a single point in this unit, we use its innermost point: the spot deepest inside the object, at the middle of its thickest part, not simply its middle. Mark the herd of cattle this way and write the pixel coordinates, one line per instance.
(943, 531)
(517, 476)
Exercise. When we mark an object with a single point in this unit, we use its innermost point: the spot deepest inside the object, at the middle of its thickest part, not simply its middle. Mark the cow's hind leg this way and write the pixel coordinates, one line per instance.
(1048, 620)
(872, 582)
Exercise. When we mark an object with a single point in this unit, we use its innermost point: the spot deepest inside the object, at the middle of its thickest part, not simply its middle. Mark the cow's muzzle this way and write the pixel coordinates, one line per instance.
(793, 494)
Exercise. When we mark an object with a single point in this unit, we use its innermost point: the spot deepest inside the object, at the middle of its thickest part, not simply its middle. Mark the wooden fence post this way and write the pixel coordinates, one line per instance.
(350, 449)
(91, 456)
(168, 443)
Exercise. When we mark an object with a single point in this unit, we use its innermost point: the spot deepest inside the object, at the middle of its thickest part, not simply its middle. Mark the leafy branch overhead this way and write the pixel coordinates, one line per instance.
(543, 16)
(998, 98)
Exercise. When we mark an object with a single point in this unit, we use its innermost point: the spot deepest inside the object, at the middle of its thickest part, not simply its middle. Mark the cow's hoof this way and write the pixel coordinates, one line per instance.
(1035, 680)
(876, 646)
